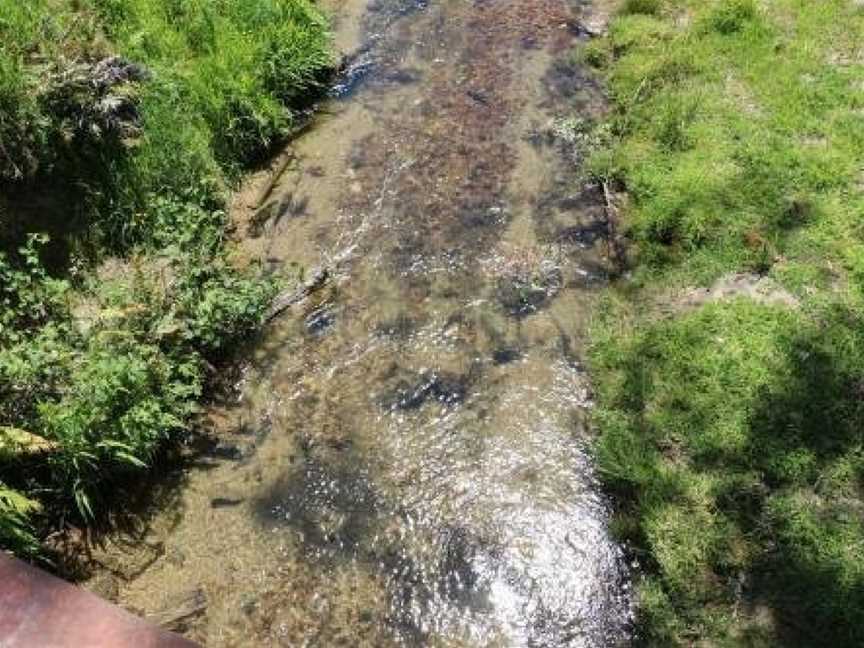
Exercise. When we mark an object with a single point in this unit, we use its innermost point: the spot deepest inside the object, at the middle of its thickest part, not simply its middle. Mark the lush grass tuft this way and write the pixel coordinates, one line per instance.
(733, 436)
(222, 81)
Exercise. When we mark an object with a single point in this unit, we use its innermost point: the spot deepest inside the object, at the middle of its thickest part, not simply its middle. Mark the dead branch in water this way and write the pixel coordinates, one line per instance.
(267, 189)
(179, 609)
(287, 299)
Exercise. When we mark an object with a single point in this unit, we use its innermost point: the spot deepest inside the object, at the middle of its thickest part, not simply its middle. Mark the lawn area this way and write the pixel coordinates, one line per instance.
(124, 125)
(731, 429)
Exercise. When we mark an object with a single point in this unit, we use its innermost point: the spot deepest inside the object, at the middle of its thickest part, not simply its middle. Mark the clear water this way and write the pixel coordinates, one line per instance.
(420, 474)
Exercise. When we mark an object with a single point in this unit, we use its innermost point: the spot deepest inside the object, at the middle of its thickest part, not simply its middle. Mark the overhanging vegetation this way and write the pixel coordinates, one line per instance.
(123, 125)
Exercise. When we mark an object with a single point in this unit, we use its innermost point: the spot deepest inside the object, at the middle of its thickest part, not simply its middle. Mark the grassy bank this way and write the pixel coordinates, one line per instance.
(731, 429)
(123, 127)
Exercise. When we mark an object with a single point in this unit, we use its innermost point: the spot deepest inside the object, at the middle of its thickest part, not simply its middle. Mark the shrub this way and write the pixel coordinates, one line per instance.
(126, 122)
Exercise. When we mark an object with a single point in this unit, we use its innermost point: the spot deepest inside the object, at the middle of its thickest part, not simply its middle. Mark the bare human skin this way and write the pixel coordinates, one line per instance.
(41, 611)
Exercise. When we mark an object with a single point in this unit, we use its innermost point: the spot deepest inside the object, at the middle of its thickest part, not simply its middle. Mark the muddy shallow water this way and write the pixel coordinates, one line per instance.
(407, 462)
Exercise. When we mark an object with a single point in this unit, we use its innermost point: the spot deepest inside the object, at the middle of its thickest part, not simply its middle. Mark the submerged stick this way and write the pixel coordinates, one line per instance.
(295, 132)
(267, 189)
(179, 609)
(287, 299)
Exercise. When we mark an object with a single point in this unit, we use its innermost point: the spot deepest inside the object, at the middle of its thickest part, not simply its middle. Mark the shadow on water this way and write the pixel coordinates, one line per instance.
(338, 515)
(334, 508)
(459, 579)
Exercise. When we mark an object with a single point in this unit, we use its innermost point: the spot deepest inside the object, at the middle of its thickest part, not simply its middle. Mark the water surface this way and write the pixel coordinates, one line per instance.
(407, 464)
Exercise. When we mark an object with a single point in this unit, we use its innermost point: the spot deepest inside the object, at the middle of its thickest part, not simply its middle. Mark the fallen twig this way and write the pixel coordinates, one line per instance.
(267, 189)
(287, 299)
(180, 609)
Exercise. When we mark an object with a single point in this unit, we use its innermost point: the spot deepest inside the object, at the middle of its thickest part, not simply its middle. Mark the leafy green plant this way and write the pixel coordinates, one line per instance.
(127, 399)
(102, 357)
(730, 16)
(28, 296)
(15, 531)
(223, 309)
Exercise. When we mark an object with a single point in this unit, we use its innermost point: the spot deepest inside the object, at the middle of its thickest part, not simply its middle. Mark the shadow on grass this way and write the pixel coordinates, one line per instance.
(806, 437)
(771, 417)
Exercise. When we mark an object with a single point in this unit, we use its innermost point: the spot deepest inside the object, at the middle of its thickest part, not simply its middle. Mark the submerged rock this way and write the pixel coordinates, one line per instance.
(521, 295)
(459, 574)
(505, 355)
(226, 450)
(320, 319)
(584, 235)
(398, 328)
(411, 391)
(332, 507)
(353, 69)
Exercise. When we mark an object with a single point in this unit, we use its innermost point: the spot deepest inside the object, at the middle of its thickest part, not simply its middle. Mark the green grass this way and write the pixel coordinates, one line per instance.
(732, 432)
(732, 435)
(226, 81)
(115, 282)
(737, 108)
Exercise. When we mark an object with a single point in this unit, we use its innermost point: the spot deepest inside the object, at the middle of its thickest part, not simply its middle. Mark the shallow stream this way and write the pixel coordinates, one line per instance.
(406, 464)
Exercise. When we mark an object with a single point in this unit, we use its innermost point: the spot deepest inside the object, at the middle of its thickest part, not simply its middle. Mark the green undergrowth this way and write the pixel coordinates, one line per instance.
(124, 124)
(214, 85)
(731, 432)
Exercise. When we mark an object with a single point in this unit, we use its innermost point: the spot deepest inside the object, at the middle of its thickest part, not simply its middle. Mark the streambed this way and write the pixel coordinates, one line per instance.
(406, 463)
